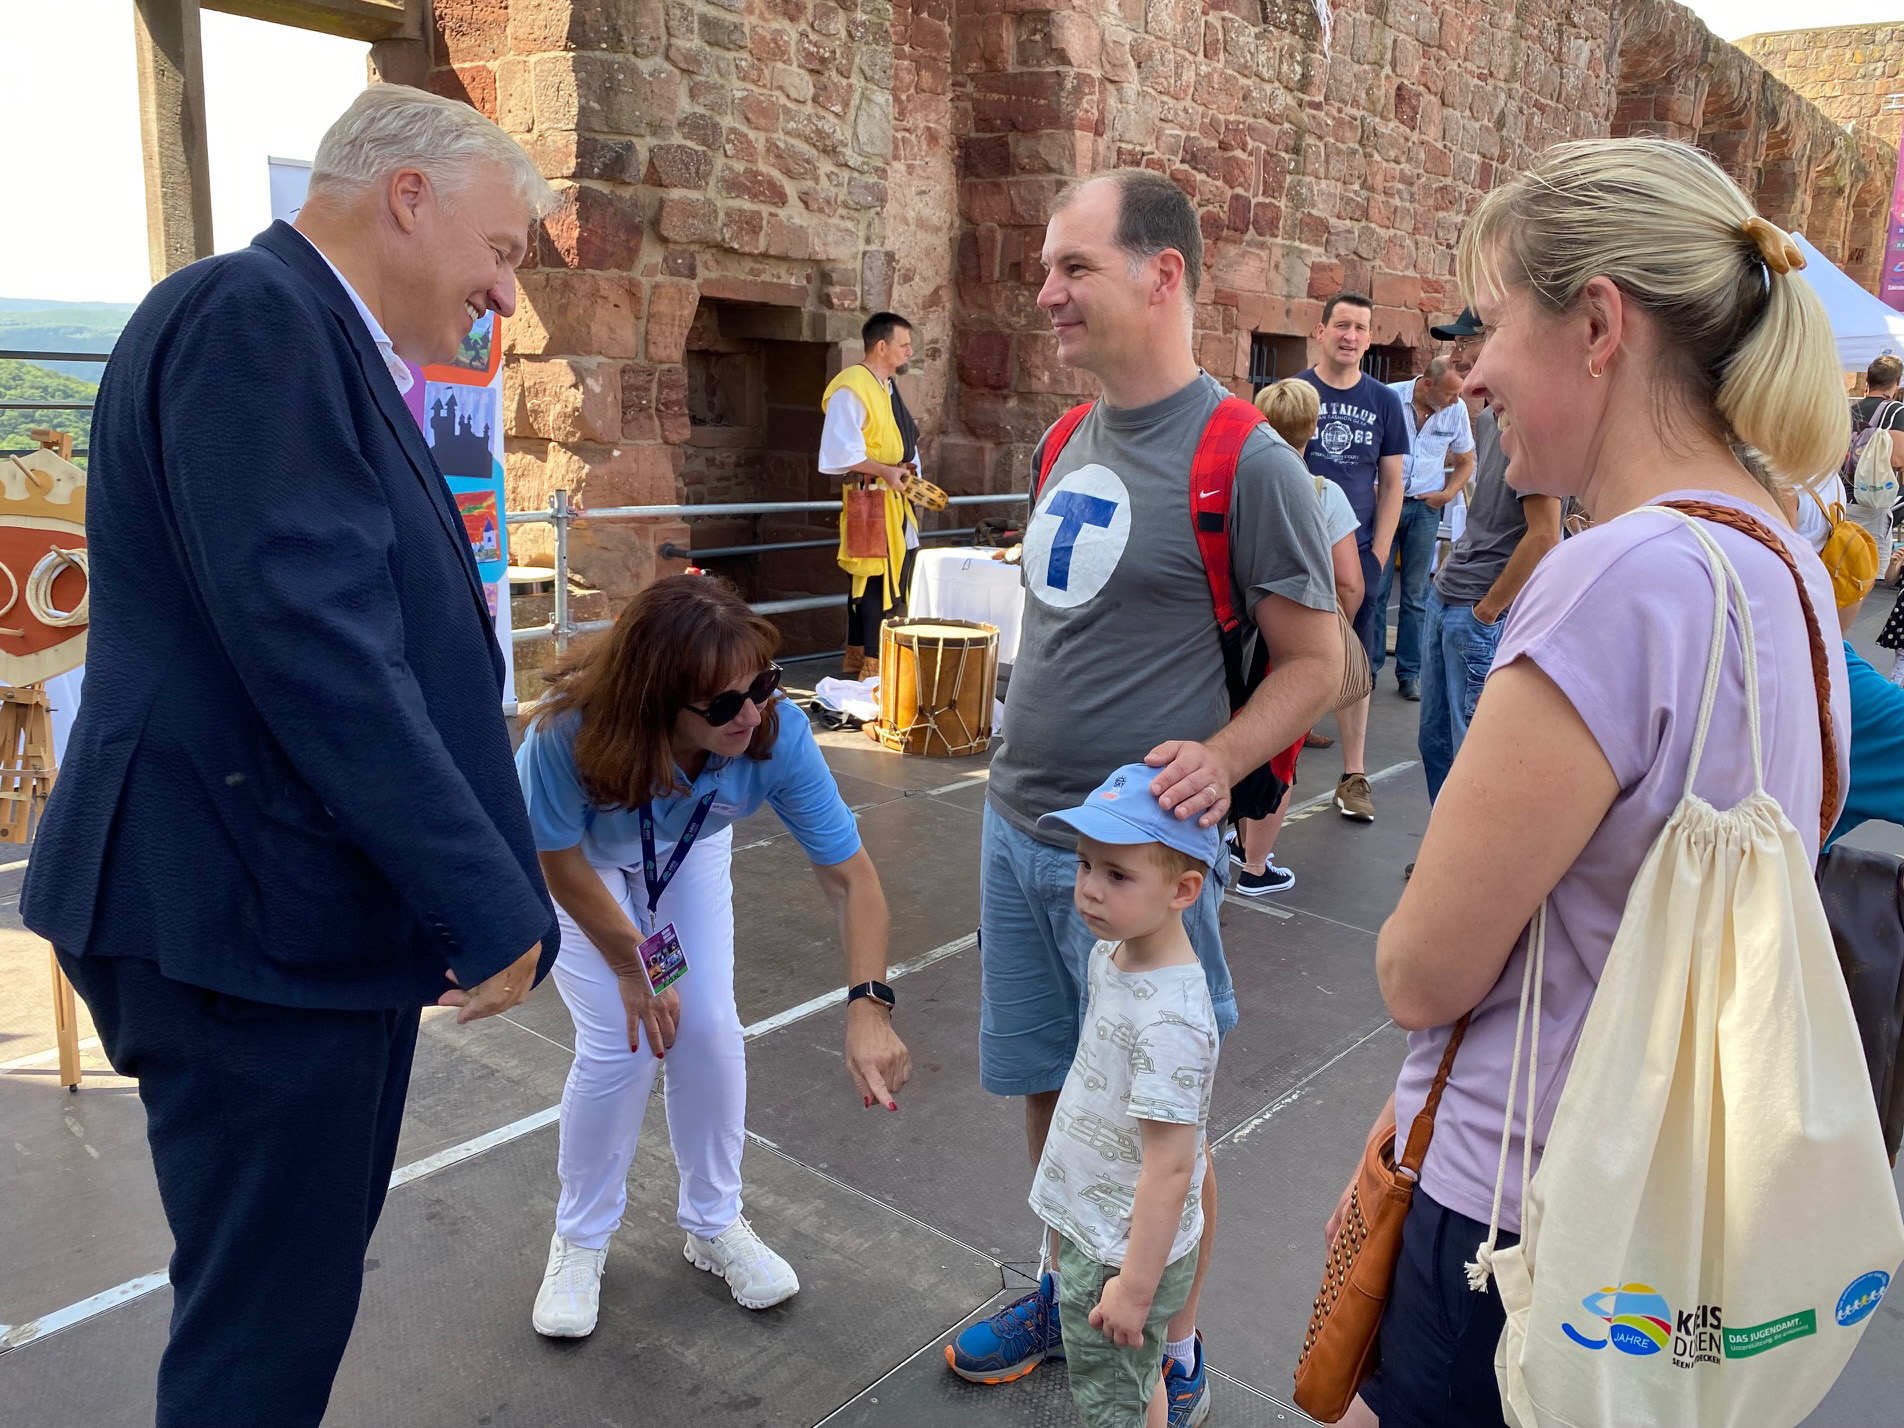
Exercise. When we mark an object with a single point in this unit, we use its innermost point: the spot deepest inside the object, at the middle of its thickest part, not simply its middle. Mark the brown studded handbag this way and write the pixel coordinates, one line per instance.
(1338, 1352)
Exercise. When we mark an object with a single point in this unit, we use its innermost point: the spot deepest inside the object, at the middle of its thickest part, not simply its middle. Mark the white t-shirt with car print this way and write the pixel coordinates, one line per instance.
(1148, 1053)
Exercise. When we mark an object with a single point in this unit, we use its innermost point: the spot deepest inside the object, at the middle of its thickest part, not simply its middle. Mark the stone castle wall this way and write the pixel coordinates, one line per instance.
(1854, 74)
(750, 177)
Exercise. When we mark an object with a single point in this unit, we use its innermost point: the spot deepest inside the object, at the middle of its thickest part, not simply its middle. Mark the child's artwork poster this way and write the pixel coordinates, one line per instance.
(462, 421)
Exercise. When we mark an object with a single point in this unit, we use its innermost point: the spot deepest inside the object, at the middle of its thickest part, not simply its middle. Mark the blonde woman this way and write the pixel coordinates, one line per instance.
(1292, 408)
(1644, 322)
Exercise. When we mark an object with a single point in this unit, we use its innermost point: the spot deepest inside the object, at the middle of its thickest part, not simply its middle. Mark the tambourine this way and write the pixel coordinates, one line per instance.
(923, 493)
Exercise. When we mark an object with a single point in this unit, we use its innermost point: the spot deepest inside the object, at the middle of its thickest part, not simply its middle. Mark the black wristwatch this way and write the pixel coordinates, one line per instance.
(878, 991)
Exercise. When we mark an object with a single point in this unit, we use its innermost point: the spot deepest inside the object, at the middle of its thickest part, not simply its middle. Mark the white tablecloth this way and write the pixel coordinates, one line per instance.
(967, 584)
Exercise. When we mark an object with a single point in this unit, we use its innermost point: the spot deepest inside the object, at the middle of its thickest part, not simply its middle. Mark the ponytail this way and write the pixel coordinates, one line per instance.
(1748, 347)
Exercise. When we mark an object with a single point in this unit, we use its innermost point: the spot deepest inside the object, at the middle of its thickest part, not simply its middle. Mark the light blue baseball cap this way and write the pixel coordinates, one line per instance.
(1122, 809)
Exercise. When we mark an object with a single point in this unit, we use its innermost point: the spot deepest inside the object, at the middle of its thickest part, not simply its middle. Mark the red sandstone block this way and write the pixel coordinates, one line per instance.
(579, 314)
(1397, 290)
(471, 31)
(731, 289)
(679, 166)
(596, 228)
(984, 359)
(760, 112)
(688, 220)
(754, 184)
(743, 230)
(473, 84)
(638, 421)
(1326, 279)
(671, 308)
(702, 129)
(671, 404)
(568, 399)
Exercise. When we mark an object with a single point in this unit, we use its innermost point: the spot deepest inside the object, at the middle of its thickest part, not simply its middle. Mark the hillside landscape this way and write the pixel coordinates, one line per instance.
(28, 324)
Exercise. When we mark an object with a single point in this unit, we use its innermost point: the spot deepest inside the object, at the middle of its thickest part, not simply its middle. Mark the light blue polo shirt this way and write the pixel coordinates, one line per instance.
(1877, 749)
(794, 780)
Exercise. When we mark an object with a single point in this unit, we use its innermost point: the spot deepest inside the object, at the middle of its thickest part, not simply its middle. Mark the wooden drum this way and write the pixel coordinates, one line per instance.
(936, 684)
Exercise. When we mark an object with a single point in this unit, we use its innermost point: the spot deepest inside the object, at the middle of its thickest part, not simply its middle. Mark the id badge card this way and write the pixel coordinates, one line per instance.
(663, 959)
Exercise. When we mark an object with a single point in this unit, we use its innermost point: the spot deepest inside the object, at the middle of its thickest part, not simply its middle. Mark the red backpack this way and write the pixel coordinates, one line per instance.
(1212, 480)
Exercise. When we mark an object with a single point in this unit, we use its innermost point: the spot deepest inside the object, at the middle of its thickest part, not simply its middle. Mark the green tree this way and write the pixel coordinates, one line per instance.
(24, 382)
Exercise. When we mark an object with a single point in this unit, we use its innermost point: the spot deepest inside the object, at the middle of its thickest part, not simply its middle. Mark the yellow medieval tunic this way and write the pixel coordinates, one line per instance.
(883, 443)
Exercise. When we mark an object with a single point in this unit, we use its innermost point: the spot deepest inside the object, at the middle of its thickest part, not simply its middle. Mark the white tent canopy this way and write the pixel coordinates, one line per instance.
(1864, 327)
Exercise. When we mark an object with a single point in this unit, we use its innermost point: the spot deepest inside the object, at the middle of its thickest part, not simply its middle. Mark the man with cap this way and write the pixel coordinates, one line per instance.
(1504, 538)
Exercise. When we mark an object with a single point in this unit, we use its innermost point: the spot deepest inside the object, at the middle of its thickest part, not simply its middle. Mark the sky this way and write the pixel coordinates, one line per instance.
(73, 174)
(270, 91)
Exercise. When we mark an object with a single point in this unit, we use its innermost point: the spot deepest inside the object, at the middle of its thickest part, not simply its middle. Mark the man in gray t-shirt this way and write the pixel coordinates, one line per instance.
(1507, 533)
(1119, 650)
(1119, 662)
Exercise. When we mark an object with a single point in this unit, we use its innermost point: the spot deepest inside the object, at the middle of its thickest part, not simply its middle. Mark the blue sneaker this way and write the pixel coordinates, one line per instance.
(1186, 1390)
(1014, 1341)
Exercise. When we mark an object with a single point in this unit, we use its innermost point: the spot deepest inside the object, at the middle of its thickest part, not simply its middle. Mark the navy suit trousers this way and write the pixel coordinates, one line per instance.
(273, 1131)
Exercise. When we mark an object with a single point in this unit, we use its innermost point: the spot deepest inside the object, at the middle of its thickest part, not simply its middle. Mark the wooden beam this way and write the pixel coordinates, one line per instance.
(352, 19)
(178, 192)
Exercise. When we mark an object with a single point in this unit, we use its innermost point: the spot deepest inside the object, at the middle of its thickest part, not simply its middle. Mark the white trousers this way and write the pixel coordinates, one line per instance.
(706, 1080)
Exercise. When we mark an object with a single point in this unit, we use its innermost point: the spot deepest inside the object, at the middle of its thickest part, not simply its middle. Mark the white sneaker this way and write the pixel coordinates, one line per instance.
(757, 1277)
(571, 1293)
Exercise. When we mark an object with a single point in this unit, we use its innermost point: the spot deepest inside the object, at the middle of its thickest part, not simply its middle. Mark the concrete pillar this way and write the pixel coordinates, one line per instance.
(178, 195)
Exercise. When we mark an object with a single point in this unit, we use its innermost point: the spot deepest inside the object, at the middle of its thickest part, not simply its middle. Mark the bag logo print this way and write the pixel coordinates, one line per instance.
(1637, 1317)
(1861, 1297)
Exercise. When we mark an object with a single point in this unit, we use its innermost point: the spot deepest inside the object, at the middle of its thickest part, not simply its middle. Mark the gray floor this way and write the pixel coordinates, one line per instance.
(903, 1227)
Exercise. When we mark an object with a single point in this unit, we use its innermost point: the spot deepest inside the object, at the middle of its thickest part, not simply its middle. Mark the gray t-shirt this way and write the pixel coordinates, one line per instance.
(1119, 649)
(1495, 525)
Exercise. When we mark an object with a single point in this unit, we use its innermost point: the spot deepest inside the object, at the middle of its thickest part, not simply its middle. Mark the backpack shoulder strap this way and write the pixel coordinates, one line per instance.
(1061, 432)
(1820, 666)
(1212, 480)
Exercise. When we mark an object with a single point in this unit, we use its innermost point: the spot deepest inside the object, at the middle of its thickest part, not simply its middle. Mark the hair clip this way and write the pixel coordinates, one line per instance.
(1775, 245)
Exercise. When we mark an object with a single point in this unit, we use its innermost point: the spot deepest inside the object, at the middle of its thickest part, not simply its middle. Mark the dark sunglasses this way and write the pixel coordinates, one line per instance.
(724, 707)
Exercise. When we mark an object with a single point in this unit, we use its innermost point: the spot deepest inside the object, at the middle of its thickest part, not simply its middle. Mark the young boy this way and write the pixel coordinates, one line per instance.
(1121, 1179)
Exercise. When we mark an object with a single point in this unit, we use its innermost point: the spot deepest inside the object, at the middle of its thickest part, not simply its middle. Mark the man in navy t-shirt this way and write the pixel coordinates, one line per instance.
(1360, 444)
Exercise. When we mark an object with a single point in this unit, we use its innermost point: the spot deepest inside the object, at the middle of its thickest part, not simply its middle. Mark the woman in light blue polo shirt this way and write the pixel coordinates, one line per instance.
(648, 747)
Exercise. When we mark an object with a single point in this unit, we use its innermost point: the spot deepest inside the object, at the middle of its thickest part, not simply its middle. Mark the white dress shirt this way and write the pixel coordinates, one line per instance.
(399, 369)
(843, 445)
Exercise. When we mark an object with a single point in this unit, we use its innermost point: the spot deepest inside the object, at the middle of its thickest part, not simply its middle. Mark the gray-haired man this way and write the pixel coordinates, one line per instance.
(288, 817)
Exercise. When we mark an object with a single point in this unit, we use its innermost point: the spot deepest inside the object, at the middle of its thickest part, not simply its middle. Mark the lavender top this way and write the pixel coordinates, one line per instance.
(1621, 619)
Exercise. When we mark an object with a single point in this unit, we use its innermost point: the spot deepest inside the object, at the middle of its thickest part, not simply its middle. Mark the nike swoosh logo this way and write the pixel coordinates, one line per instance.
(1205, 495)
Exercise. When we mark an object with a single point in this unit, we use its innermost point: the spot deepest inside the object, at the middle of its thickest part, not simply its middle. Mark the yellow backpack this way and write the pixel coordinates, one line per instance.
(1850, 554)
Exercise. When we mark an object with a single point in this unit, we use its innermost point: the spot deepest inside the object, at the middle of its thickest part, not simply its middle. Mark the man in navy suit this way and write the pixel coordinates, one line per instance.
(288, 817)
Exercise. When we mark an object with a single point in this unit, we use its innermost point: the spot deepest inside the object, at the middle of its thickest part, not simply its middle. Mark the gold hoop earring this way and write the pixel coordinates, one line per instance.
(1591, 372)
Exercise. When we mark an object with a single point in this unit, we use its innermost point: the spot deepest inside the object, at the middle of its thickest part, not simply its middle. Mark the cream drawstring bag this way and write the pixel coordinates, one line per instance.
(1713, 1221)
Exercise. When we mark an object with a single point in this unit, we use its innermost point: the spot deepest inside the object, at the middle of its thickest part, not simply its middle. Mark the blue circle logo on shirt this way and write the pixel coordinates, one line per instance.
(1077, 536)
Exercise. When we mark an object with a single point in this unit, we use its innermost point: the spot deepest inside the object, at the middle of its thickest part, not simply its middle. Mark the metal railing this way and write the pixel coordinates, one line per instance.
(24, 354)
(560, 629)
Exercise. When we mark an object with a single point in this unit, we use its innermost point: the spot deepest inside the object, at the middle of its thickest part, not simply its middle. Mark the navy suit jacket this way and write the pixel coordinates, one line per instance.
(290, 779)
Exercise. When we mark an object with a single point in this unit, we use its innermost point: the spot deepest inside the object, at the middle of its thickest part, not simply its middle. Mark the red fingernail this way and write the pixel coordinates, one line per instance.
(892, 1105)
(658, 1056)
(867, 1103)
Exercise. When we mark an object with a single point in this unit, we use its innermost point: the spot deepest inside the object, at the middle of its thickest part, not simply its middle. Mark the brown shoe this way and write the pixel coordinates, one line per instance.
(1316, 739)
(1353, 798)
(868, 671)
(851, 662)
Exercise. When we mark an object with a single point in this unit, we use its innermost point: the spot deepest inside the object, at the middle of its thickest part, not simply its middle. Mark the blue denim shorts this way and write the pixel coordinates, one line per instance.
(1035, 954)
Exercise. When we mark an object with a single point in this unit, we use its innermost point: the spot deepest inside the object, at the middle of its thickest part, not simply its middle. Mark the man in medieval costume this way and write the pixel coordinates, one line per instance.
(869, 434)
